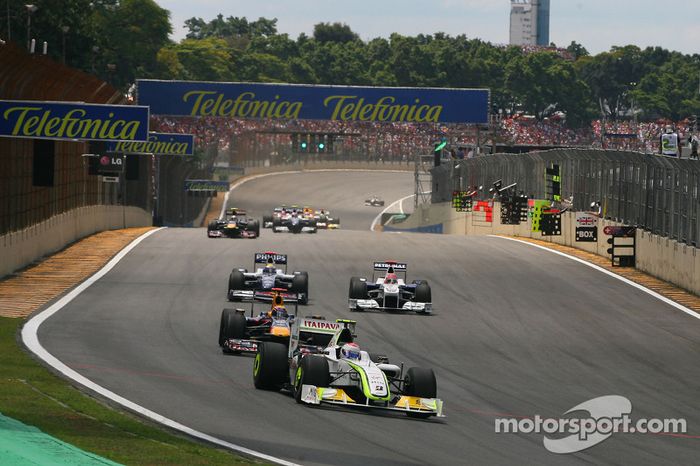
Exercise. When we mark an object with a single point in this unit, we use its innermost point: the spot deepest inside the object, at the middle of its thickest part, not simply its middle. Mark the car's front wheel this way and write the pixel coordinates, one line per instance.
(313, 370)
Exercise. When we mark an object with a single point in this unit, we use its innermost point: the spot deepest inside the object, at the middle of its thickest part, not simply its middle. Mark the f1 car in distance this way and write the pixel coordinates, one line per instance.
(236, 225)
(276, 212)
(340, 373)
(273, 274)
(389, 292)
(294, 221)
(238, 333)
(375, 201)
(325, 220)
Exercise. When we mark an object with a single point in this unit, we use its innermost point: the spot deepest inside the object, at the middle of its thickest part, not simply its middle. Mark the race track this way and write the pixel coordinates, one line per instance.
(516, 331)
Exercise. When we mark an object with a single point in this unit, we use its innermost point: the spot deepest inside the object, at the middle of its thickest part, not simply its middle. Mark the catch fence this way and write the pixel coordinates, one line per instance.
(656, 193)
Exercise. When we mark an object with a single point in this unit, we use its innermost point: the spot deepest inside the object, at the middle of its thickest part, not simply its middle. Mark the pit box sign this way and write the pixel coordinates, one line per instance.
(462, 201)
(537, 206)
(586, 227)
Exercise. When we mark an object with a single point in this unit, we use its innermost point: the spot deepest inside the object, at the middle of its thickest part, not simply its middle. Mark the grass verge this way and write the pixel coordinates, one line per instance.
(31, 394)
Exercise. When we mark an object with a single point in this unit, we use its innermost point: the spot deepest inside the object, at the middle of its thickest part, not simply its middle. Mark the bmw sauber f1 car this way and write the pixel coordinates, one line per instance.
(259, 284)
(374, 201)
(339, 373)
(237, 225)
(326, 221)
(238, 333)
(389, 292)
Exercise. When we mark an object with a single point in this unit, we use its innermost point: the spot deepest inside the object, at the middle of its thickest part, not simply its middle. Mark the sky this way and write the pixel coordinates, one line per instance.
(596, 24)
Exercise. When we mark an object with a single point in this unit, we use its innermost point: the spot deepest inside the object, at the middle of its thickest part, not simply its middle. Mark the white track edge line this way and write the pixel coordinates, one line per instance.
(643, 288)
(379, 215)
(262, 175)
(30, 338)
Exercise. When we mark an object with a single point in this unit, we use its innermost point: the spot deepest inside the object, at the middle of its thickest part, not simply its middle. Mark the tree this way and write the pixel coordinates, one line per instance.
(336, 32)
(131, 33)
(577, 50)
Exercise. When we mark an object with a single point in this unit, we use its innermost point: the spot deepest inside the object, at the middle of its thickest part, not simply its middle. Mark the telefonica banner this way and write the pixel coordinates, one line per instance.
(157, 144)
(206, 185)
(72, 120)
(300, 101)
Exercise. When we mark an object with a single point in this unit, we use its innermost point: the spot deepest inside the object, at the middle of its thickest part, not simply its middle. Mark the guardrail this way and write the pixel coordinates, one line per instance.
(655, 193)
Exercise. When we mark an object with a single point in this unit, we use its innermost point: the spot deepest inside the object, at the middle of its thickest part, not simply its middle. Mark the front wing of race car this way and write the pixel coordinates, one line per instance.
(263, 295)
(239, 345)
(372, 304)
(310, 394)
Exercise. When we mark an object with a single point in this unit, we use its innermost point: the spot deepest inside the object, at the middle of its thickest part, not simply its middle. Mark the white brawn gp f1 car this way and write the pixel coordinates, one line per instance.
(389, 292)
(328, 367)
(260, 284)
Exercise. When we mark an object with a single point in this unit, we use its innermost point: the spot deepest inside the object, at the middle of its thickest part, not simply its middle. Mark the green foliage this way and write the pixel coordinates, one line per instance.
(132, 37)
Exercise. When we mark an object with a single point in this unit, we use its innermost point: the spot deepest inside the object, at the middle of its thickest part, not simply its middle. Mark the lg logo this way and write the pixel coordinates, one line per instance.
(107, 160)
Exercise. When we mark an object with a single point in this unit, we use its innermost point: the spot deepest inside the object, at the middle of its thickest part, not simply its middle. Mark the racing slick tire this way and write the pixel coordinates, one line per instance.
(313, 370)
(255, 228)
(270, 368)
(358, 288)
(232, 325)
(420, 382)
(423, 293)
(267, 219)
(300, 284)
(236, 281)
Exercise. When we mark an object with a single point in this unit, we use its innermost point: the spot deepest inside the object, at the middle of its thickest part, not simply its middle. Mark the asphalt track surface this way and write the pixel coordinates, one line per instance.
(516, 331)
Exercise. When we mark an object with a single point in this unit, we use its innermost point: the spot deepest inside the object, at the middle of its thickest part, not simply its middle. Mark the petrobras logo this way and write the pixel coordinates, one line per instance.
(386, 265)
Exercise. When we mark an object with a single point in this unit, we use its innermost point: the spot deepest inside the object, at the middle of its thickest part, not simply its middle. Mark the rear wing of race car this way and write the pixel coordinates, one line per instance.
(384, 266)
(270, 257)
(310, 326)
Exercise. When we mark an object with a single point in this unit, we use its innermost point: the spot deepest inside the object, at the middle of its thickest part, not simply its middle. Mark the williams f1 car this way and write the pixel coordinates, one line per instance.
(237, 225)
(273, 274)
(374, 201)
(339, 373)
(389, 291)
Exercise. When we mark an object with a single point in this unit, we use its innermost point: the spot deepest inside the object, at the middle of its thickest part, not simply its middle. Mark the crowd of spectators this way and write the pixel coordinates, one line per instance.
(401, 141)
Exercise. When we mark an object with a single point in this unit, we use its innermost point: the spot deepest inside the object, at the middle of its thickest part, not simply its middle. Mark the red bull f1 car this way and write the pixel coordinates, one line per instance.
(241, 334)
(333, 370)
(270, 272)
(236, 225)
(389, 290)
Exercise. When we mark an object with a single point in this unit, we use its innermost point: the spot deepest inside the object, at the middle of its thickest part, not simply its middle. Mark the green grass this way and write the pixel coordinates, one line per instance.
(34, 396)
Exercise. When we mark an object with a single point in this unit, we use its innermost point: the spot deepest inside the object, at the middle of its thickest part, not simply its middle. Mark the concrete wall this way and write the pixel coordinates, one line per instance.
(331, 166)
(660, 257)
(21, 248)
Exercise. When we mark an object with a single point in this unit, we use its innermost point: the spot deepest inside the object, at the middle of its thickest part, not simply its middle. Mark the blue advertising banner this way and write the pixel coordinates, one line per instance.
(206, 185)
(300, 101)
(158, 144)
(73, 120)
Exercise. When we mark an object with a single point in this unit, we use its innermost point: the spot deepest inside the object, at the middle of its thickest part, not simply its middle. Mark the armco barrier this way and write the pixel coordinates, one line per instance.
(20, 248)
(663, 258)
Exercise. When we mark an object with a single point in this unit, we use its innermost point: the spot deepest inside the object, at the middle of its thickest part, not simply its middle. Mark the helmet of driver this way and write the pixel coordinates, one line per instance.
(350, 351)
(268, 270)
